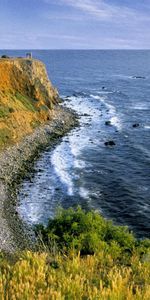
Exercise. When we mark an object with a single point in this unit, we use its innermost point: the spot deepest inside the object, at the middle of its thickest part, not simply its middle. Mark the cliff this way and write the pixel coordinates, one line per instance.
(27, 98)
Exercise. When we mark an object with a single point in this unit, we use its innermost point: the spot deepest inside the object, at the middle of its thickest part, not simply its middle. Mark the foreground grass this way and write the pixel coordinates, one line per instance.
(40, 276)
(113, 266)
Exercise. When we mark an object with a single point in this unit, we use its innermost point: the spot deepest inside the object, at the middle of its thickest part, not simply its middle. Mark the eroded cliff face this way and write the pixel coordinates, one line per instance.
(27, 98)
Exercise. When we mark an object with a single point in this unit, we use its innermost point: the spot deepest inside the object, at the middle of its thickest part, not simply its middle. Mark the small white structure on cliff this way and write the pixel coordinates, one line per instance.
(29, 55)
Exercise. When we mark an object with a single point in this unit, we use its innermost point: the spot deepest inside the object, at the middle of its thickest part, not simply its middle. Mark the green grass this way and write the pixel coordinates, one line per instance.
(27, 102)
(5, 136)
(35, 124)
(4, 111)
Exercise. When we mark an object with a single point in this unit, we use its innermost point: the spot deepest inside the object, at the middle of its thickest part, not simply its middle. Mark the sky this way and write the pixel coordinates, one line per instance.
(74, 24)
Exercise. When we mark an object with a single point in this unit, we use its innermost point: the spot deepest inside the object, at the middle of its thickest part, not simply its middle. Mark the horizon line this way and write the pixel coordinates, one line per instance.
(78, 49)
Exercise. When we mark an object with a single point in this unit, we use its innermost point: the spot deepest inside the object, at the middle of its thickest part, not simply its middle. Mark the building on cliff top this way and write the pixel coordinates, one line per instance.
(29, 55)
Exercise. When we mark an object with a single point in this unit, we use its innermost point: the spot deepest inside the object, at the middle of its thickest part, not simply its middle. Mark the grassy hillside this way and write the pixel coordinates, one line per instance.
(26, 98)
(114, 264)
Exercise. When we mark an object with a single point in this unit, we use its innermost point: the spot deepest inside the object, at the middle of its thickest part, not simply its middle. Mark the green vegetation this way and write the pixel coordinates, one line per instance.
(88, 233)
(4, 111)
(27, 102)
(5, 135)
(35, 124)
(43, 108)
(82, 257)
(5, 56)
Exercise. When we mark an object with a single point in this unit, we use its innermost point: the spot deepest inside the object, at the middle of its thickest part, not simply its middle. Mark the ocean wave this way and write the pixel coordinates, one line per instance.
(111, 108)
(95, 97)
(116, 122)
(141, 106)
(84, 193)
(101, 98)
(105, 92)
(60, 163)
(123, 76)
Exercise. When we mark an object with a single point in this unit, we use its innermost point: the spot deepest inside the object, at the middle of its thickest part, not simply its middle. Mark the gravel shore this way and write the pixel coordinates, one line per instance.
(16, 162)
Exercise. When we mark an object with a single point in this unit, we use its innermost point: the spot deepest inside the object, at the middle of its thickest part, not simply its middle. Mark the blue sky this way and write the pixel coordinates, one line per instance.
(74, 24)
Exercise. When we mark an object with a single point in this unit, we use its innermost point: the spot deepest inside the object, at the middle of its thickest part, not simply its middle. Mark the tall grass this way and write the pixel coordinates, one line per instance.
(40, 276)
(68, 274)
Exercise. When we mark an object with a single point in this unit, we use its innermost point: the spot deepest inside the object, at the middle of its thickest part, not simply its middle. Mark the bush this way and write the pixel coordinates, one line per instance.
(87, 232)
(112, 273)
(11, 110)
(5, 56)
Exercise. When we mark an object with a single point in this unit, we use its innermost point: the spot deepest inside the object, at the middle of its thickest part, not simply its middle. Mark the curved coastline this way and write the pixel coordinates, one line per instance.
(16, 162)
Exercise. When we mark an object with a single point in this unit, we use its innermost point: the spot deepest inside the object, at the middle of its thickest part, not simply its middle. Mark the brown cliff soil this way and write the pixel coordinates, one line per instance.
(27, 98)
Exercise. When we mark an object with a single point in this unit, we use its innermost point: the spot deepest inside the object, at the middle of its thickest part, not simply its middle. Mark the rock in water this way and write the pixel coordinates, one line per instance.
(110, 143)
(138, 77)
(135, 125)
(108, 123)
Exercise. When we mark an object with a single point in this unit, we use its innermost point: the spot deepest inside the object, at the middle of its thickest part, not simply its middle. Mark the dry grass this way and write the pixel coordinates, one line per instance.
(118, 269)
(24, 91)
(40, 276)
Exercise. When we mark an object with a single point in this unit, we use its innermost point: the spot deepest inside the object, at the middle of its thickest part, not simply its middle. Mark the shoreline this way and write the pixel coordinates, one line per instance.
(16, 163)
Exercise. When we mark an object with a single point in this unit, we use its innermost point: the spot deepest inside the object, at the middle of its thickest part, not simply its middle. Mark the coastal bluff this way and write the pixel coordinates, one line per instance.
(31, 120)
(27, 98)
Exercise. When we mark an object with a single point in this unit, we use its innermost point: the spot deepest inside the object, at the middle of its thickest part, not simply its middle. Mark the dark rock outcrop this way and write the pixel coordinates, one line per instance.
(135, 125)
(110, 143)
(108, 123)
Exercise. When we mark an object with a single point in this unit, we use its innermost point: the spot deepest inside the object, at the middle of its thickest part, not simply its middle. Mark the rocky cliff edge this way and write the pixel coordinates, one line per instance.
(27, 98)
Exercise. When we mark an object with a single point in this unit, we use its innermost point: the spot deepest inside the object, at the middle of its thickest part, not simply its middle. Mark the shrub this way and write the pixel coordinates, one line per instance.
(11, 110)
(87, 232)
(5, 56)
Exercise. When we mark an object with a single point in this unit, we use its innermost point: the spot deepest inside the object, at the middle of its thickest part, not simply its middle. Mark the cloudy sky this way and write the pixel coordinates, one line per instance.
(74, 24)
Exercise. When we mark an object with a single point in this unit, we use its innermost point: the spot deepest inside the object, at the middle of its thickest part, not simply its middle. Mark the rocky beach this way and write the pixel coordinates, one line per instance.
(16, 163)
(17, 158)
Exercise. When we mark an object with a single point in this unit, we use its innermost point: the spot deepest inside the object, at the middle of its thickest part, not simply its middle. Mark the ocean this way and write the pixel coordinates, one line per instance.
(110, 91)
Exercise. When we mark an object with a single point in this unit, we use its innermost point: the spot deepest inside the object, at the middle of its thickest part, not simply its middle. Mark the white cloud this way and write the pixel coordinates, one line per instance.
(104, 11)
(91, 7)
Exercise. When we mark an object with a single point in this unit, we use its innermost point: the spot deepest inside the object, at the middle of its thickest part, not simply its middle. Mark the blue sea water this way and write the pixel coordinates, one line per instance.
(110, 85)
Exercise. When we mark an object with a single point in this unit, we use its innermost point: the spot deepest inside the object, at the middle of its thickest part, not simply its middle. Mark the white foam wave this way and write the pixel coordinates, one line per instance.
(111, 108)
(98, 97)
(103, 99)
(103, 92)
(65, 164)
(140, 106)
(114, 119)
(123, 76)
(112, 111)
(78, 163)
(95, 97)
(147, 126)
(60, 164)
(84, 193)
(83, 107)
(116, 122)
